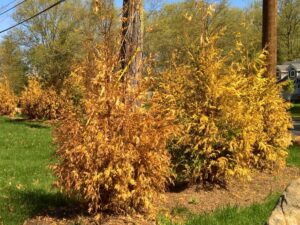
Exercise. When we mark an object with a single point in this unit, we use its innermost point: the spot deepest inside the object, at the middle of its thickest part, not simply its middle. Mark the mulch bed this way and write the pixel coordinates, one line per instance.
(237, 192)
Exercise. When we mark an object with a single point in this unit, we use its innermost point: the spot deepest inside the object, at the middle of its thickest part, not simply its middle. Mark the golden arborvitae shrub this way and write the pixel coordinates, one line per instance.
(39, 103)
(113, 155)
(263, 96)
(232, 115)
(8, 101)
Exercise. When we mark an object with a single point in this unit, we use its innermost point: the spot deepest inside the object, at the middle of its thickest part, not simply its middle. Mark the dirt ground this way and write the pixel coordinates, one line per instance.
(237, 192)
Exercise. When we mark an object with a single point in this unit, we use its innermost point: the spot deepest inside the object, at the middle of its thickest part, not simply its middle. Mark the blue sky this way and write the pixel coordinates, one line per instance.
(6, 21)
(235, 3)
(239, 3)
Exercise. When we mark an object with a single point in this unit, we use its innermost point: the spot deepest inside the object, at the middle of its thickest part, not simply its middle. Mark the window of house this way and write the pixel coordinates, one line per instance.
(293, 74)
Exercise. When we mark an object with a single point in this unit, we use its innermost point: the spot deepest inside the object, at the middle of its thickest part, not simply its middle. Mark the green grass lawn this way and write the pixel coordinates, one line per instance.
(25, 180)
(255, 215)
(294, 156)
(26, 151)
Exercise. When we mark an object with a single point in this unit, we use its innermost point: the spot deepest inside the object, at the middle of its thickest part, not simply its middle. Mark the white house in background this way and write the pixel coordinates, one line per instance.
(294, 71)
(290, 70)
(282, 71)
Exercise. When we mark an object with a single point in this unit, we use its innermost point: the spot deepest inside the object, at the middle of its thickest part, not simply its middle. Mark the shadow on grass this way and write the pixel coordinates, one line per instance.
(27, 122)
(52, 204)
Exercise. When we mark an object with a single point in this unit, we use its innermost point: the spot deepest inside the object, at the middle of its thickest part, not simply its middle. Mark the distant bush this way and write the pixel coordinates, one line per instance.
(8, 101)
(39, 103)
(74, 88)
(232, 115)
(113, 155)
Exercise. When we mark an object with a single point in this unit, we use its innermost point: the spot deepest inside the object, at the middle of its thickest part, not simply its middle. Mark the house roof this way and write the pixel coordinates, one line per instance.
(291, 62)
(296, 66)
(283, 68)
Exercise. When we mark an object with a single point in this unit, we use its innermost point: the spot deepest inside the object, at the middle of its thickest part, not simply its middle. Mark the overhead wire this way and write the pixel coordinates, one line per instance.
(35, 15)
(3, 9)
(8, 4)
(13, 7)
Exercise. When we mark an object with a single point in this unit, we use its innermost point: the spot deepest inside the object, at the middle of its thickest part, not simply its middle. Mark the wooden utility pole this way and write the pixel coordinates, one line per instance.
(131, 54)
(269, 39)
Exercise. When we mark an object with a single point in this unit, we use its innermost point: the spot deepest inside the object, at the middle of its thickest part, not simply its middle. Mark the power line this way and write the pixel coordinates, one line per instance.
(4, 7)
(8, 4)
(13, 7)
(24, 21)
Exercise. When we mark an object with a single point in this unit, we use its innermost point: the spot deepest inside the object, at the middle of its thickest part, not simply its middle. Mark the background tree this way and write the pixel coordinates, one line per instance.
(175, 26)
(289, 30)
(52, 41)
(103, 22)
(12, 64)
(55, 41)
(251, 32)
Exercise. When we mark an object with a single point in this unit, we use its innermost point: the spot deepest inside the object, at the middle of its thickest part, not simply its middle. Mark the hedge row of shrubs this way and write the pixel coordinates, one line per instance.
(42, 103)
(206, 121)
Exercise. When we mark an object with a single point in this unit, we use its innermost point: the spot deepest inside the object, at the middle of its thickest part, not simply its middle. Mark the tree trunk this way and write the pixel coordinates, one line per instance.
(132, 39)
(269, 40)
